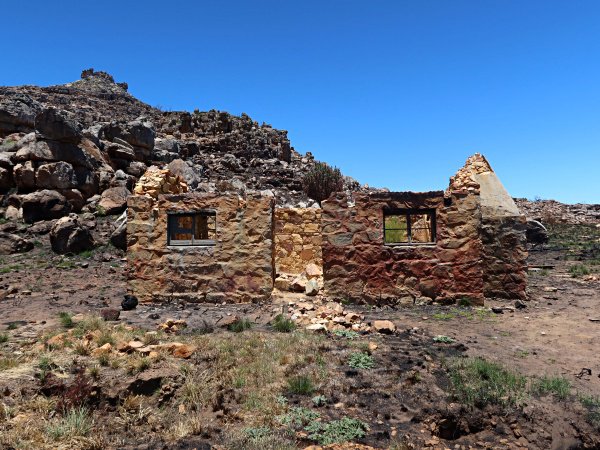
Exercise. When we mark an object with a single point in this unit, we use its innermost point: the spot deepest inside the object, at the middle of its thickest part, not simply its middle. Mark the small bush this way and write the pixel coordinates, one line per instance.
(81, 349)
(443, 339)
(283, 324)
(360, 360)
(302, 385)
(240, 325)
(105, 337)
(321, 181)
(336, 431)
(3, 338)
(560, 387)
(465, 302)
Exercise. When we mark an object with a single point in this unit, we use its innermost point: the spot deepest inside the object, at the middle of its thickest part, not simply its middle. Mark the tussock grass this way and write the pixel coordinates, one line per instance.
(592, 404)
(478, 382)
(301, 385)
(66, 319)
(240, 325)
(283, 324)
(256, 365)
(560, 387)
(77, 422)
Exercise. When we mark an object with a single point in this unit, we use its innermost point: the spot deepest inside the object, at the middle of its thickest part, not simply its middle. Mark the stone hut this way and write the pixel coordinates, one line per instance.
(463, 244)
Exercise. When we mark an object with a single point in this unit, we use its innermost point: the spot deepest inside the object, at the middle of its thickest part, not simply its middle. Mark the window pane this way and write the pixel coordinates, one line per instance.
(420, 225)
(395, 229)
(181, 227)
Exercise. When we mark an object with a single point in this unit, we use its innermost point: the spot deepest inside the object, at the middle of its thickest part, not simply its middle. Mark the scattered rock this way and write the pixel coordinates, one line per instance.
(11, 243)
(129, 302)
(110, 314)
(312, 287)
(173, 325)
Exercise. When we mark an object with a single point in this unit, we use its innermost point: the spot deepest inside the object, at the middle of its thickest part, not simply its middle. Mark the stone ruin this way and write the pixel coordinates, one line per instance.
(463, 245)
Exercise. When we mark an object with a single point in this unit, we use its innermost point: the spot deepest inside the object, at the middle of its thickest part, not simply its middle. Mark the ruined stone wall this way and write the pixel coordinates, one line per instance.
(504, 257)
(298, 239)
(237, 269)
(358, 266)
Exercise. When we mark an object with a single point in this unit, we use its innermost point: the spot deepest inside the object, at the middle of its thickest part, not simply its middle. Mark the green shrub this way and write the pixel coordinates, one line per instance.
(3, 338)
(240, 325)
(478, 382)
(301, 384)
(560, 387)
(348, 334)
(283, 324)
(321, 181)
(298, 417)
(319, 400)
(360, 360)
(336, 431)
(443, 339)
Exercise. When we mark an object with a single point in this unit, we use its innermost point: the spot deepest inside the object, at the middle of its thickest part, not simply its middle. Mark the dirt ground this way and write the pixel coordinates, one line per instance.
(556, 333)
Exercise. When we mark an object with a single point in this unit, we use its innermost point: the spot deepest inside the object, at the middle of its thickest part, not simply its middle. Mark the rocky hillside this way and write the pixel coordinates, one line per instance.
(553, 212)
(88, 141)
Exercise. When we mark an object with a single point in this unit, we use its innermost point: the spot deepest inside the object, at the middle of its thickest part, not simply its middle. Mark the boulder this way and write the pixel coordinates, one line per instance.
(11, 243)
(17, 113)
(5, 159)
(6, 179)
(44, 205)
(114, 200)
(58, 175)
(136, 168)
(24, 176)
(75, 198)
(384, 326)
(84, 154)
(69, 236)
(138, 133)
(181, 168)
(118, 238)
(57, 125)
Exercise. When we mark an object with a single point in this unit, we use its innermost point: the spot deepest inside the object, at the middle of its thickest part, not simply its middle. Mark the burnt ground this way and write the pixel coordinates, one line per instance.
(409, 399)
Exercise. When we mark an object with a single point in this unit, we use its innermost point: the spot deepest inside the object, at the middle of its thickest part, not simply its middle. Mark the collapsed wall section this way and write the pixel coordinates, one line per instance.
(237, 267)
(298, 239)
(359, 266)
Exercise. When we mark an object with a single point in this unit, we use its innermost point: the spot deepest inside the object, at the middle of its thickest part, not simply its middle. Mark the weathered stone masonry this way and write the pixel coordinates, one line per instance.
(298, 239)
(477, 250)
(238, 268)
(360, 267)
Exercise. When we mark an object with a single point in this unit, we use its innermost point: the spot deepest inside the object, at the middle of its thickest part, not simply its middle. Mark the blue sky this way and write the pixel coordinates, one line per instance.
(395, 93)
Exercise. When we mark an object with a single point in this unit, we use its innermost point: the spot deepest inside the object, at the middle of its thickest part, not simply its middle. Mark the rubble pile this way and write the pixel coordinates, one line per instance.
(159, 181)
(329, 316)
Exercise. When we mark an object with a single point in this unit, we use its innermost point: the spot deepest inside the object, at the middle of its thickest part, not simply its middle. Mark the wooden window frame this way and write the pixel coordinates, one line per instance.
(407, 213)
(190, 242)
